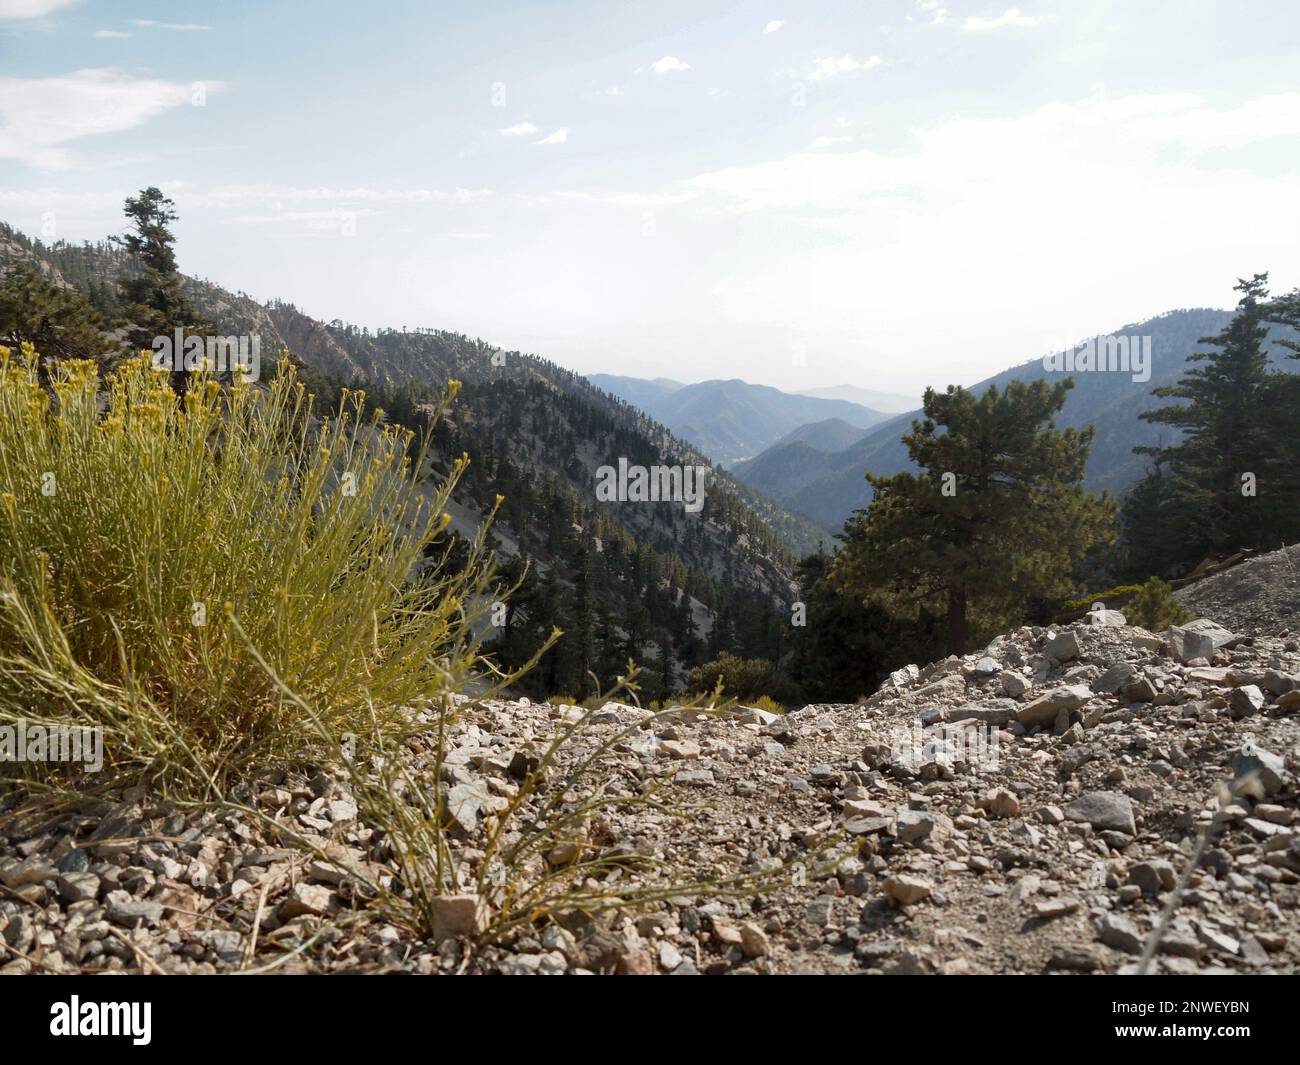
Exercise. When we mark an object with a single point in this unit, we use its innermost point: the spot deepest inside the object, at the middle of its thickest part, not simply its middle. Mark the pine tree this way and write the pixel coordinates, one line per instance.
(661, 681)
(1280, 495)
(844, 648)
(1205, 492)
(153, 302)
(1285, 311)
(997, 515)
(1147, 518)
(59, 322)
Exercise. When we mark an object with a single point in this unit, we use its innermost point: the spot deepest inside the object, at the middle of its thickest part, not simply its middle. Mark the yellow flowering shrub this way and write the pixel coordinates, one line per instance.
(151, 549)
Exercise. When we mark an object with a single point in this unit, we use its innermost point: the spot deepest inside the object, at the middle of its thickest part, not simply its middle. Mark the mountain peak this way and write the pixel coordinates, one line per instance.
(731, 419)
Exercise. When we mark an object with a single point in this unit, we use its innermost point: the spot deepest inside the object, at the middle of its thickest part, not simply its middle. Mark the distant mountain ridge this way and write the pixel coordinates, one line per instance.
(829, 487)
(730, 420)
(833, 434)
(885, 402)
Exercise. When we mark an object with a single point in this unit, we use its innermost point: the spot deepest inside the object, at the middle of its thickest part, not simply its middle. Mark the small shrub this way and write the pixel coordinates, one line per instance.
(1118, 594)
(741, 678)
(135, 529)
(560, 806)
(764, 702)
(1155, 608)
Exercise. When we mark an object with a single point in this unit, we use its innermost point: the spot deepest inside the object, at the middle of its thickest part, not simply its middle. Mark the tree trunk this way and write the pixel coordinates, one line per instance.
(956, 620)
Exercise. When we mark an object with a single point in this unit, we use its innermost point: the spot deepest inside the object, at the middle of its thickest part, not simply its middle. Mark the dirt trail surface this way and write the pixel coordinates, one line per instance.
(1025, 809)
(1261, 594)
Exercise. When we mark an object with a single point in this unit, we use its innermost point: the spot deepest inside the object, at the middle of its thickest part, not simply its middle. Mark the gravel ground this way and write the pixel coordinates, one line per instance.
(1025, 809)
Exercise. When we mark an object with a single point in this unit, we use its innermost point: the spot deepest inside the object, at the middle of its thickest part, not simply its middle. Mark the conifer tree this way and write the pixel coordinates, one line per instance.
(59, 322)
(153, 302)
(844, 648)
(1218, 487)
(1280, 496)
(1147, 518)
(996, 517)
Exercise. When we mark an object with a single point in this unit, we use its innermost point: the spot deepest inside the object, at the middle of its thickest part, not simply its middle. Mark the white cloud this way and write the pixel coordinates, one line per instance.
(184, 27)
(668, 64)
(315, 207)
(774, 25)
(832, 67)
(631, 199)
(560, 136)
(613, 90)
(310, 207)
(828, 142)
(110, 34)
(1185, 119)
(37, 197)
(1068, 204)
(332, 219)
(520, 129)
(934, 9)
(246, 196)
(1010, 17)
(20, 9)
(40, 115)
(87, 213)
(1033, 154)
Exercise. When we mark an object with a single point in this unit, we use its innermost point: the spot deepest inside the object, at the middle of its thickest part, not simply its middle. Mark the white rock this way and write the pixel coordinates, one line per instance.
(1197, 639)
(907, 889)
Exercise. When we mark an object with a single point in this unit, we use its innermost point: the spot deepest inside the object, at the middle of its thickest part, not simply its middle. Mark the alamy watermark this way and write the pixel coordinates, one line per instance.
(77, 1018)
(970, 743)
(652, 484)
(228, 354)
(24, 742)
(1122, 354)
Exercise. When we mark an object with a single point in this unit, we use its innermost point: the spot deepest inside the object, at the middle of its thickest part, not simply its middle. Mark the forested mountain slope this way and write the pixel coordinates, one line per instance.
(690, 583)
(829, 487)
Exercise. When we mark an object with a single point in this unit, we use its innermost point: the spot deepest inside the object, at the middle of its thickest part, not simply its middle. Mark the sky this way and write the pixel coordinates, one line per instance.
(891, 195)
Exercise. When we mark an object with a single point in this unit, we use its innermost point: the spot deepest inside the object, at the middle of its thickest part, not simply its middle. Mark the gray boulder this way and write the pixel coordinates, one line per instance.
(1105, 810)
(1043, 710)
(1197, 639)
(1064, 646)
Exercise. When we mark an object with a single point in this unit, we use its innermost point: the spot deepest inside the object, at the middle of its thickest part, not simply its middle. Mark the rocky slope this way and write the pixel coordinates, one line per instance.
(1261, 595)
(1029, 808)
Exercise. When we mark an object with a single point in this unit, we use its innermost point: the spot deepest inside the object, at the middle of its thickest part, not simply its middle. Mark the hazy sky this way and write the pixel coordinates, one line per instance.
(889, 194)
